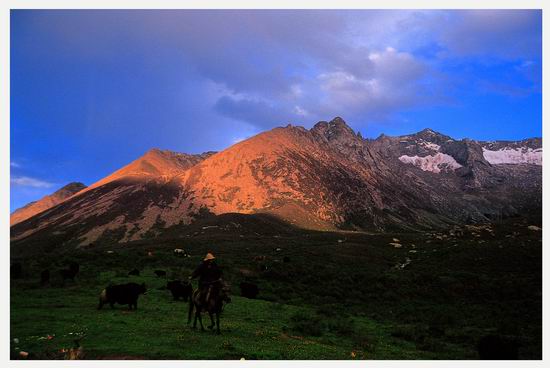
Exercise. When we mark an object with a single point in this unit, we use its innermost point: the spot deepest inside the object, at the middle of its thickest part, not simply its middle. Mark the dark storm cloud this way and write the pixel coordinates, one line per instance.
(328, 55)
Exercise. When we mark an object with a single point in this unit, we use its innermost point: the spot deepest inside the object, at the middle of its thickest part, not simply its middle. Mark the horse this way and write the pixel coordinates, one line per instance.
(211, 300)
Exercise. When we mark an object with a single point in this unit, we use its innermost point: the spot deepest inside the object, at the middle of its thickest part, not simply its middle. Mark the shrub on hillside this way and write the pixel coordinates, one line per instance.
(325, 320)
(307, 324)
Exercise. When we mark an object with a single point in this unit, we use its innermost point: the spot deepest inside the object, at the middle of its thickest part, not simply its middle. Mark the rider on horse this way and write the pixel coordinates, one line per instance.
(210, 276)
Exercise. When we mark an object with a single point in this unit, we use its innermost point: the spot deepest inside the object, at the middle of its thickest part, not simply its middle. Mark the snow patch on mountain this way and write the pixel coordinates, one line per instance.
(430, 145)
(522, 155)
(434, 163)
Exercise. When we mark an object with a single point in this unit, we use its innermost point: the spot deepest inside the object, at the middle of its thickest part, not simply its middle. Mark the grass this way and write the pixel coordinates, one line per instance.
(251, 329)
(352, 299)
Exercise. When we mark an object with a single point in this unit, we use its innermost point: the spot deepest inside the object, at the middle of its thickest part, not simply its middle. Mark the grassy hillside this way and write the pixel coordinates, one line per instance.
(251, 329)
(324, 296)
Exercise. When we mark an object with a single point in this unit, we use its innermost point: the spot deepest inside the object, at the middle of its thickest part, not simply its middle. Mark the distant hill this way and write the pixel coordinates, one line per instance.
(45, 203)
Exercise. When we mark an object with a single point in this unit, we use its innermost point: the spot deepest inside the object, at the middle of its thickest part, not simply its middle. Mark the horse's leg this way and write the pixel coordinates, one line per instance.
(198, 313)
(190, 314)
(211, 320)
(218, 322)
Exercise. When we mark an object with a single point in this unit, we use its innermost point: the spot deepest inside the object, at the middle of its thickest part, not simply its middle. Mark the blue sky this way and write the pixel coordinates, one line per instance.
(92, 90)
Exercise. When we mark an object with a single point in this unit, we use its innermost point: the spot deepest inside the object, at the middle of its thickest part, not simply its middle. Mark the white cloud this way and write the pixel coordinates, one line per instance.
(296, 90)
(345, 89)
(395, 81)
(387, 81)
(25, 181)
(14, 164)
(300, 111)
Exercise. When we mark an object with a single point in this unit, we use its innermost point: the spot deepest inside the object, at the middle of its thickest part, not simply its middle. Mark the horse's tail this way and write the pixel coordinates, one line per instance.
(191, 305)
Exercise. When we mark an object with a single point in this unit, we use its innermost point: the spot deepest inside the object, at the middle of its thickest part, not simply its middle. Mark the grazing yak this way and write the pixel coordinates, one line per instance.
(180, 252)
(134, 272)
(122, 294)
(180, 290)
(160, 273)
(249, 290)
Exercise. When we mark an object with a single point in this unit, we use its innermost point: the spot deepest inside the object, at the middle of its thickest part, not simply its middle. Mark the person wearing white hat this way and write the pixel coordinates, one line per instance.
(209, 275)
(209, 256)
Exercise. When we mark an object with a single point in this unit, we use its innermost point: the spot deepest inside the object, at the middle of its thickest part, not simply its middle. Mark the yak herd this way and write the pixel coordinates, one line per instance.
(128, 293)
(489, 347)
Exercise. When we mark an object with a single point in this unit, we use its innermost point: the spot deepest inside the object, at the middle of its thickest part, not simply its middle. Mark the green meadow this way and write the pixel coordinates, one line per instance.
(337, 296)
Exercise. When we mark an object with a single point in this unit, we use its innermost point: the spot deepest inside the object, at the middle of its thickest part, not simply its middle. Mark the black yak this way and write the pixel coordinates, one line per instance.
(160, 273)
(180, 290)
(122, 294)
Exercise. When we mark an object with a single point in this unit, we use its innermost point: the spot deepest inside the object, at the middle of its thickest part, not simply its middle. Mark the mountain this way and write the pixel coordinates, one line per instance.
(45, 203)
(518, 152)
(155, 164)
(325, 178)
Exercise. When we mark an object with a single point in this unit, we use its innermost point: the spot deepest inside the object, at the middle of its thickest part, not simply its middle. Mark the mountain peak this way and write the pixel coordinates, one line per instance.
(162, 153)
(154, 150)
(155, 163)
(336, 129)
(338, 121)
(46, 202)
(73, 188)
(431, 135)
(168, 154)
(428, 131)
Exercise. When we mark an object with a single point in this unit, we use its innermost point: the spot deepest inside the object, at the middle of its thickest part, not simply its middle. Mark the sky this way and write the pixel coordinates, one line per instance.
(92, 90)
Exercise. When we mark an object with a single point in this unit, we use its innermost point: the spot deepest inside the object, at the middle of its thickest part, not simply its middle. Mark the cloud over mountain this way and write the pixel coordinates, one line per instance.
(193, 80)
(25, 181)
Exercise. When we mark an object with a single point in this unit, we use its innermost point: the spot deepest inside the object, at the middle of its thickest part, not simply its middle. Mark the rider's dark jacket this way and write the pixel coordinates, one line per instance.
(208, 272)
